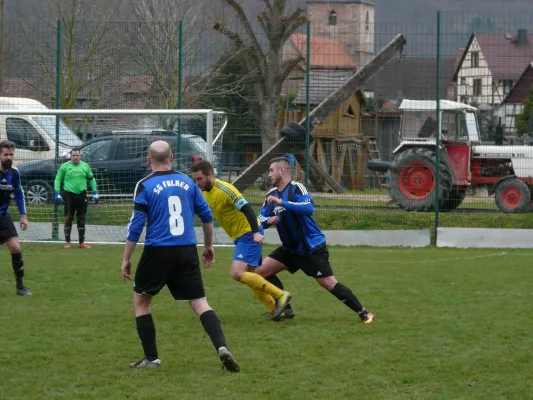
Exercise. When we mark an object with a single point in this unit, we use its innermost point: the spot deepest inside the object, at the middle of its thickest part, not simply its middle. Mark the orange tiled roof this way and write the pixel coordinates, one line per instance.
(325, 52)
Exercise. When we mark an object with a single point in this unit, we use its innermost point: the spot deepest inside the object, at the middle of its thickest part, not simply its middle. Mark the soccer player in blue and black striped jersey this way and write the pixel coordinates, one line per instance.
(10, 185)
(290, 207)
(167, 201)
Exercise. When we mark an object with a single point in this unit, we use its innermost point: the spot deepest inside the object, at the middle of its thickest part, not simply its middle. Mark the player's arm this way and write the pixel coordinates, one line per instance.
(59, 177)
(242, 205)
(135, 228)
(19, 193)
(139, 215)
(302, 202)
(92, 182)
(90, 178)
(265, 214)
(201, 208)
(126, 259)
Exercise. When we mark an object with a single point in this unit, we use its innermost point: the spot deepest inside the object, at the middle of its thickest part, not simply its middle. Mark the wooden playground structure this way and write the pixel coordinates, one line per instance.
(335, 122)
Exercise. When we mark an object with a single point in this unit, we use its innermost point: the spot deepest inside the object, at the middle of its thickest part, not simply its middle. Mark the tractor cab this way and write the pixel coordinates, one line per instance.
(458, 122)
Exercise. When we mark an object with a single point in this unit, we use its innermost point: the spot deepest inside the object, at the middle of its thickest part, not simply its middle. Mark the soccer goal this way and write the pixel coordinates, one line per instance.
(115, 145)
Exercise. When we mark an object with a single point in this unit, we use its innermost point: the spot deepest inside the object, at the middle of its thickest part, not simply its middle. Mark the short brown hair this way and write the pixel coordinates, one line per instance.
(6, 144)
(205, 166)
(283, 160)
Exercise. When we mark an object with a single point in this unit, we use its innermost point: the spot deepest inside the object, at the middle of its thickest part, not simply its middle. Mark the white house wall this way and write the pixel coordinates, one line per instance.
(488, 94)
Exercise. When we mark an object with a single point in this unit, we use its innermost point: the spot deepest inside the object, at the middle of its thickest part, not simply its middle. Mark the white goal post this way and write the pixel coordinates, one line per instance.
(213, 131)
(115, 143)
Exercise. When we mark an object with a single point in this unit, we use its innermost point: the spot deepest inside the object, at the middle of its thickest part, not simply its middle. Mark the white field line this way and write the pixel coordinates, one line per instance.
(433, 260)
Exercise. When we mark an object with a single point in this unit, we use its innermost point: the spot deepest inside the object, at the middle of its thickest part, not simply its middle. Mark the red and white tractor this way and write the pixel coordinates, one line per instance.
(507, 171)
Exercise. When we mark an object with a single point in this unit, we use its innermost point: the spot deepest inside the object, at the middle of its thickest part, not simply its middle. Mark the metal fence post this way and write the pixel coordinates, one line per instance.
(180, 84)
(307, 100)
(438, 133)
(55, 225)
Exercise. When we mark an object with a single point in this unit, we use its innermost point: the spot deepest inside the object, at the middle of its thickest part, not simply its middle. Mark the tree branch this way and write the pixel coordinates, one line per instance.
(280, 5)
(289, 65)
(249, 31)
(294, 21)
(250, 55)
(234, 37)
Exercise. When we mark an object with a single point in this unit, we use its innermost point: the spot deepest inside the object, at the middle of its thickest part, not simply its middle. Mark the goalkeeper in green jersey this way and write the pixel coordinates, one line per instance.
(74, 175)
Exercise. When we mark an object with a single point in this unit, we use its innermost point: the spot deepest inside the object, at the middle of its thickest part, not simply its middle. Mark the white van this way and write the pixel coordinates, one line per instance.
(34, 135)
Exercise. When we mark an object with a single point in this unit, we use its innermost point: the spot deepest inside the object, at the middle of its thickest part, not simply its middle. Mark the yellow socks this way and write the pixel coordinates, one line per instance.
(266, 299)
(257, 282)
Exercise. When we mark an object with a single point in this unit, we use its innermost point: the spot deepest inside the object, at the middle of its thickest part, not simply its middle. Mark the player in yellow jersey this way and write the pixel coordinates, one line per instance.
(239, 221)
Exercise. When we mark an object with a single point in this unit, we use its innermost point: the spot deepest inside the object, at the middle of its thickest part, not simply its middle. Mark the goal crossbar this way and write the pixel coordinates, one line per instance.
(60, 112)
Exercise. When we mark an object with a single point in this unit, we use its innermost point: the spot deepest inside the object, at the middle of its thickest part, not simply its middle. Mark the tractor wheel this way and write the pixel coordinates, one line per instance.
(512, 196)
(412, 181)
(457, 195)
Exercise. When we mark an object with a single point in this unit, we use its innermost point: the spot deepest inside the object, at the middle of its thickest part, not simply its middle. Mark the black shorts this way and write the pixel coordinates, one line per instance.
(315, 265)
(75, 203)
(178, 267)
(7, 229)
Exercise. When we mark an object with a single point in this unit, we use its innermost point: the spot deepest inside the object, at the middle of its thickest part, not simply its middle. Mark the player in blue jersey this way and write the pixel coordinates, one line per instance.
(10, 185)
(289, 207)
(167, 201)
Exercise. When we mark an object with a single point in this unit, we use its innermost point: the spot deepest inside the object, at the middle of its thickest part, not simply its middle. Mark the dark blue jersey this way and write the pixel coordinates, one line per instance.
(297, 229)
(10, 183)
(167, 201)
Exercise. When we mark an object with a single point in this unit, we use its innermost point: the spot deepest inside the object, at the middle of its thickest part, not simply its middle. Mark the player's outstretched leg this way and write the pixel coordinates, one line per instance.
(258, 283)
(227, 359)
(267, 300)
(281, 304)
(213, 328)
(346, 296)
(289, 311)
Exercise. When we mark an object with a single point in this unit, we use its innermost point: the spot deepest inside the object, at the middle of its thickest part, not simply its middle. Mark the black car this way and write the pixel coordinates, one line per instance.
(118, 162)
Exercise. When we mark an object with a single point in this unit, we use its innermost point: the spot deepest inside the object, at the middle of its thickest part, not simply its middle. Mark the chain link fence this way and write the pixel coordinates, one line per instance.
(383, 158)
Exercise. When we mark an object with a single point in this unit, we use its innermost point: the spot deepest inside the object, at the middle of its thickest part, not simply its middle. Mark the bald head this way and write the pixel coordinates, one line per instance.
(159, 153)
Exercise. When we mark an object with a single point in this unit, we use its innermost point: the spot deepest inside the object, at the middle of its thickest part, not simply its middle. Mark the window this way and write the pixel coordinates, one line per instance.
(24, 135)
(97, 151)
(66, 136)
(474, 59)
(507, 86)
(367, 21)
(332, 20)
(477, 87)
(349, 112)
(133, 148)
(193, 145)
(463, 81)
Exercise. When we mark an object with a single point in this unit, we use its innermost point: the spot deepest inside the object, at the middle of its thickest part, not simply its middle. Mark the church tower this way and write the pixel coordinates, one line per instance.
(349, 21)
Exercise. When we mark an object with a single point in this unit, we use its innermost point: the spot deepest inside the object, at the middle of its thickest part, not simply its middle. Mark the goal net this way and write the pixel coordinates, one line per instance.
(115, 145)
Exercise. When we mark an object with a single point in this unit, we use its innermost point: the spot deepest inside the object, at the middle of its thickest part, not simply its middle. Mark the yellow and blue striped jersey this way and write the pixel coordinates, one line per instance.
(225, 202)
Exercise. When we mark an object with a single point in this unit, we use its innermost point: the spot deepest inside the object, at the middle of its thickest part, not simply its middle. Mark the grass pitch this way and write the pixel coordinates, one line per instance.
(451, 324)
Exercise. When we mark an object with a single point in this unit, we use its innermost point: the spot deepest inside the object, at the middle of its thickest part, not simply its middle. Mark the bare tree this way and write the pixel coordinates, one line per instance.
(156, 47)
(261, 54)
(87, 59)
